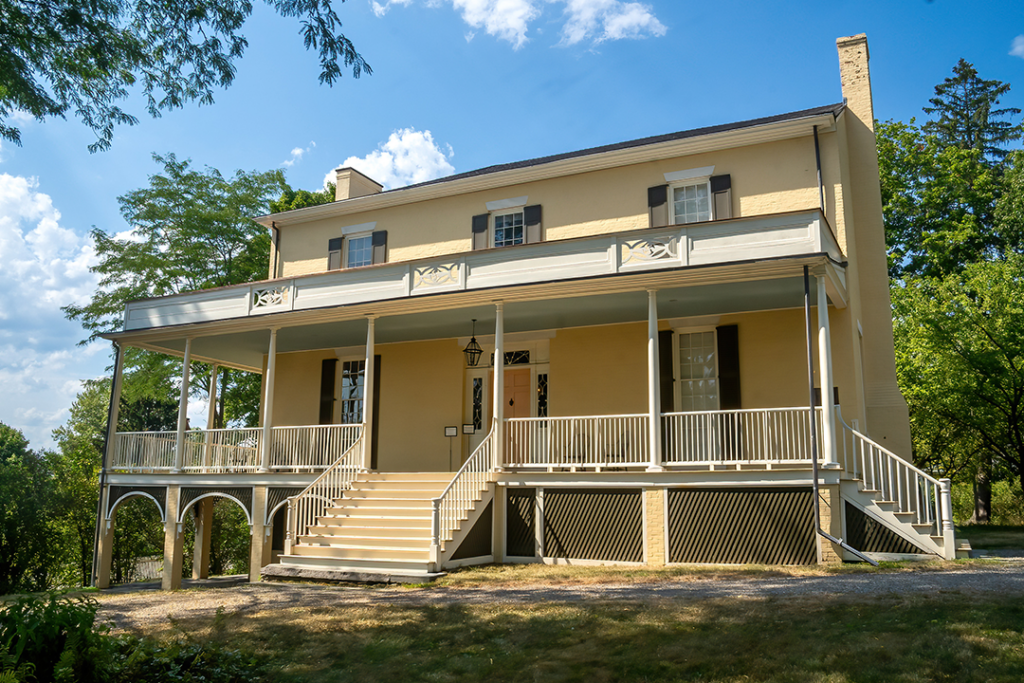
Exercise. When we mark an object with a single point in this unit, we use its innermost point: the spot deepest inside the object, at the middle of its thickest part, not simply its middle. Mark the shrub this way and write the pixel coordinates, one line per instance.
(54, 638)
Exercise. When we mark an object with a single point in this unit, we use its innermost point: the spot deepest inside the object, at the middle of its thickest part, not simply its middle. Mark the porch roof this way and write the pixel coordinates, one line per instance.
(682, 293)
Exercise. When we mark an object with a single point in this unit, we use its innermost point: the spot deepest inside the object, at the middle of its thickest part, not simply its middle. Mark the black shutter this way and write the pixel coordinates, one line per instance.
(334, 253)
(327, 382)
(480, 225)
(729, 367)
(531, 217)
(721, 196)
(375, 427)
(379, 240)
(657, 205)
(668, 392)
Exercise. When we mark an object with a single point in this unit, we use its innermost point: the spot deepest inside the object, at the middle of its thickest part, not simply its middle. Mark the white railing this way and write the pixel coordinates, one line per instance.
(582, 442)
(739, 437)
(222, 450)
(144, 451)
(461, 494)
(310, 448)
(305, 508)
(911, 490)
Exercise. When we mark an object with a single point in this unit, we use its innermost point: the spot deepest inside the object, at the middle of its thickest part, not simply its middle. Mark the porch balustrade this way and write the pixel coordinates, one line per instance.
(586, 442)
(300, 449)
(739, 437)
(457, 500)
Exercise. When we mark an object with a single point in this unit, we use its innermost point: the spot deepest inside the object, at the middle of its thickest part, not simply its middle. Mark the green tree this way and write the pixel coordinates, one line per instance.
(191, 230)
(938, 202)
(960, 345)
(62, 56)
(27, 556)
(966, 115)
(299, 199)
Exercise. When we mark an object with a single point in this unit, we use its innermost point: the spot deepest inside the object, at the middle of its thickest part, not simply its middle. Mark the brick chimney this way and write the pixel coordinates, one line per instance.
(351, 183)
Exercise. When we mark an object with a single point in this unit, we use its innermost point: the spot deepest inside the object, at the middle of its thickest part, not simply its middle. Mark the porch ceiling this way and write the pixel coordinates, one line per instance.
(246, 349)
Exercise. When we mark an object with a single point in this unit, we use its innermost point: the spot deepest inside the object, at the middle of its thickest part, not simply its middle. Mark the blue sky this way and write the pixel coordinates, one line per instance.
(457, 85)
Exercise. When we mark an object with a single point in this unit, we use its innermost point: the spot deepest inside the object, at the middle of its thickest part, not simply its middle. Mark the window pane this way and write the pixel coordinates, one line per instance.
(508, 229)
(360, 252)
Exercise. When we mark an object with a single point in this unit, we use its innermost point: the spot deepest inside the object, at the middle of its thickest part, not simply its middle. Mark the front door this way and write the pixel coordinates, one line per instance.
(517, 393)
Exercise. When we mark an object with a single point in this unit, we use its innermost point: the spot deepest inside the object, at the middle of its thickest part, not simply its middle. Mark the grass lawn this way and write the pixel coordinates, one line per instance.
(992, 536)
(942, 637)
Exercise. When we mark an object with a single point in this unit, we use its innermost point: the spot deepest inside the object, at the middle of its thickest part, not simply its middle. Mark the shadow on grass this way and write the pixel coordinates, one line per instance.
(891, 638)
(992, 536)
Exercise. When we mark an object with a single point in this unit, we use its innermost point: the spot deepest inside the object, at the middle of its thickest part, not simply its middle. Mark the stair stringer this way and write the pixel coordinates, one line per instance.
(851, 492)
(449, 548)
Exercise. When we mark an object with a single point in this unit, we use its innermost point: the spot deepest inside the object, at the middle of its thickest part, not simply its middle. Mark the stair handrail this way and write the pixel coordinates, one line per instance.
(305, 507)
(459, 496)
(912, 489)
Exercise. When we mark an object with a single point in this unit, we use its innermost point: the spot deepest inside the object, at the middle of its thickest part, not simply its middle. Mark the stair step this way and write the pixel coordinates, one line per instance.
(389, 486)
(407, 476)
(389, 493)
(334, 563)
(367, 531)
(404, 543)
(362, 553)
(351, 503)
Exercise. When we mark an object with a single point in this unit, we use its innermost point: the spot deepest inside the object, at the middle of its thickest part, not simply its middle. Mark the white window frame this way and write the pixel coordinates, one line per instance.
(347, 245)
(690, 182)
(494, 228)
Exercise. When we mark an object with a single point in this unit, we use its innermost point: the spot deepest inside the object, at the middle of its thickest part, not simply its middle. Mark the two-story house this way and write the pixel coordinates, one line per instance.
(609, 355)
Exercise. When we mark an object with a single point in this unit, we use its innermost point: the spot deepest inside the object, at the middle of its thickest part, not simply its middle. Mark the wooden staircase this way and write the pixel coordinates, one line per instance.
(380, 527)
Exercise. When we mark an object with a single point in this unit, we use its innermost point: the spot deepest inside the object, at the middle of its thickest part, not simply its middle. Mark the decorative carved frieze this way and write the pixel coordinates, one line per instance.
(436, 275)
(649, 249)
(270, 296)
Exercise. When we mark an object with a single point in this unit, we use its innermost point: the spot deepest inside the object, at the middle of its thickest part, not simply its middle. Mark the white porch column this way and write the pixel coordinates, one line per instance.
(211, 416)
(828, 422)
(653, 383)
(368, 388)
(268, 404)
(179, 442)
(115, 408)
(499, 385)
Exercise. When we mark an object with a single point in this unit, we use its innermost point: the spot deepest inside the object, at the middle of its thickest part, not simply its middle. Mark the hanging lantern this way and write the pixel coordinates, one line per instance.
(473, 350)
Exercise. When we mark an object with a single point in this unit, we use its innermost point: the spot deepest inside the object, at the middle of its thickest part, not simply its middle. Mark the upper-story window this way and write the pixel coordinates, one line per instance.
(358, 251)
(359, 245)
(691, 203)
(510, 222)
(509, 229)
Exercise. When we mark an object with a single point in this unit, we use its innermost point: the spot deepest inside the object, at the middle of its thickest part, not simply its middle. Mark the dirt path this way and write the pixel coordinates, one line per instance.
(130, 610)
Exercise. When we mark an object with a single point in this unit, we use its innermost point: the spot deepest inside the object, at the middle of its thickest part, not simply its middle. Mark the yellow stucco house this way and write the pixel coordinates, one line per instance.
(608, 355)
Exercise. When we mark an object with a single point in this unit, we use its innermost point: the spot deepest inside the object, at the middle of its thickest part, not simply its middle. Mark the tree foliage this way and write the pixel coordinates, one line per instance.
(961, 360)
(299, 199)
(62, 56)
(191, 230)
(26, 496)
(966, 115)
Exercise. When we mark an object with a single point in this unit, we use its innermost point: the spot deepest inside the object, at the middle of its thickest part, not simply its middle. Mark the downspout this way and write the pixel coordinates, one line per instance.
(277, 237)
(814, 430)
(817, 161)
(103, 468)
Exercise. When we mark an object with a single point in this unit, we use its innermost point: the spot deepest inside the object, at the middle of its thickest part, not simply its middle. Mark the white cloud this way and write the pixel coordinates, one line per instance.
(504, 19)
(409, 156)
(1017, 49)
(296, 155)
(45, 266)
(593, 20)
(380, 10)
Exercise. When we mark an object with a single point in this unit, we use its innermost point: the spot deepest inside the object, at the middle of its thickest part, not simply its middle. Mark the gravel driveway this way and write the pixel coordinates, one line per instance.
(143, 608)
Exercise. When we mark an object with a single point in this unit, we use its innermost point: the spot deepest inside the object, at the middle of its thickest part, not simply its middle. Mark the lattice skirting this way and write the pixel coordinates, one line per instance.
(741, 526)
(869, 536)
